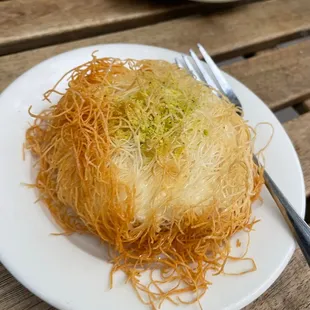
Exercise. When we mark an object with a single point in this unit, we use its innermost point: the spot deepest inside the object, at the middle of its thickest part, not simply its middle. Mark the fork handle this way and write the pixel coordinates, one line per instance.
(298, 226)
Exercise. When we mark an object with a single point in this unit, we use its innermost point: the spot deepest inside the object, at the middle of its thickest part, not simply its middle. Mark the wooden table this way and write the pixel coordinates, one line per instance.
(266, 42)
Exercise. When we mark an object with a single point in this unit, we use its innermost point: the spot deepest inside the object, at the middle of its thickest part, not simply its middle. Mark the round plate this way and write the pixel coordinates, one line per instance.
(70, 272)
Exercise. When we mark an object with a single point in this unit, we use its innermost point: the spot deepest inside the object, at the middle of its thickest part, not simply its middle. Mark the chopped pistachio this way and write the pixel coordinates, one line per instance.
(156, 113)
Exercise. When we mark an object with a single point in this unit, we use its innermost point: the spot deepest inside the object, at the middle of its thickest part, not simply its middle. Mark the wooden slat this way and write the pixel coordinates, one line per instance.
(241, 30)
(291, 291)
(299, 132)
(27, 24)
(280, 77)
(14, 296)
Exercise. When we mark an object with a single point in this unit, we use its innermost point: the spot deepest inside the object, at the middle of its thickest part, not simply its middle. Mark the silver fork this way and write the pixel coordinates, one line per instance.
(298, 226)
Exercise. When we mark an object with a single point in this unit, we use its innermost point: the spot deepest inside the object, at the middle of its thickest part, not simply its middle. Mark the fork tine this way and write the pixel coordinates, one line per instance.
(202, 69)
(179, 63)
(218, 76)
(190, 68)
(215, 70)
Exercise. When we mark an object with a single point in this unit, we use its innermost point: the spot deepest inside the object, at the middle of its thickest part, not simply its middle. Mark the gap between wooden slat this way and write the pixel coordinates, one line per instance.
(307, 216)
(302, 108)
(286, 114)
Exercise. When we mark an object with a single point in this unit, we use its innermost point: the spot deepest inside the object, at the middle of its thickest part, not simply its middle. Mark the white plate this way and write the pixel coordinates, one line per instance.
(70, 272)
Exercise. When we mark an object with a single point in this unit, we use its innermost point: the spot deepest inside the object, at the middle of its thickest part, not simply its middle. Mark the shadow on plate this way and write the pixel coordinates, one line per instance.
(89, 244)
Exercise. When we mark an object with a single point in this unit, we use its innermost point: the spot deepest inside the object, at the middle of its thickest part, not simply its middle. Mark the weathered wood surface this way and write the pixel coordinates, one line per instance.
(279, 77)
(27, 24)
(33, 23)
